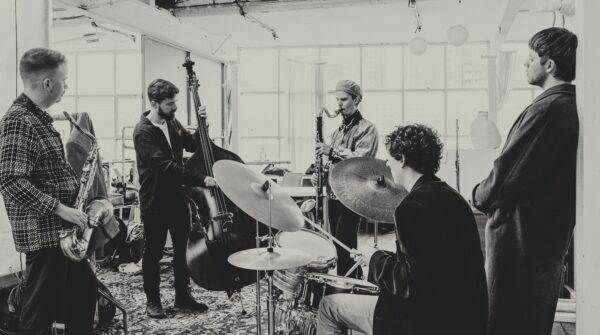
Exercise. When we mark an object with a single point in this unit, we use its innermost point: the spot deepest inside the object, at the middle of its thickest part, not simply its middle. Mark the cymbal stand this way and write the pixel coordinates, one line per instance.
(258, 323)
(266, 187)
(340, 243)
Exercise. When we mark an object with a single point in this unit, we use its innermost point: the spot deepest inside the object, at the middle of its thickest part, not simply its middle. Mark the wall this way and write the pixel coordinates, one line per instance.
(587, 230)
(23, 24)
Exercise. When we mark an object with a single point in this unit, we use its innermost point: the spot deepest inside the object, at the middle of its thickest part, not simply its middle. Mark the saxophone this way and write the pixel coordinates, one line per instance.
(74, 242)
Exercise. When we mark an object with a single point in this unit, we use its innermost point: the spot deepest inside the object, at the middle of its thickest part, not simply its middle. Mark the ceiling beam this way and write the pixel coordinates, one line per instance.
(141, 18)
(511, 10)
(195, 8)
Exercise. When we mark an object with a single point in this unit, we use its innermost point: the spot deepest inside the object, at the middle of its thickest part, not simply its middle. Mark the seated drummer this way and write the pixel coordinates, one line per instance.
(435, 282)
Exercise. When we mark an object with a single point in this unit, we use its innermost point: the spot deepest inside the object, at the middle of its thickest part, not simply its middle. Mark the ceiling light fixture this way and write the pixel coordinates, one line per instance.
(417, 45)
(457, 35)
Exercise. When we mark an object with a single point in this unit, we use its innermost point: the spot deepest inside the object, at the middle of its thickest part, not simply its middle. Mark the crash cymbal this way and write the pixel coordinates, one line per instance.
(248, 190)
(366, 187)
(263, 259)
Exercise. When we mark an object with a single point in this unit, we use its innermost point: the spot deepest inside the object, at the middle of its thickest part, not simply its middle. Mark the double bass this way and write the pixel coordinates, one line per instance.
(219, 228)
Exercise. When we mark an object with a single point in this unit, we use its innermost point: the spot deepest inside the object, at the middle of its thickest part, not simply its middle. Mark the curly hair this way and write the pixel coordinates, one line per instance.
(557, 44)
(160, 89)
(419, 144)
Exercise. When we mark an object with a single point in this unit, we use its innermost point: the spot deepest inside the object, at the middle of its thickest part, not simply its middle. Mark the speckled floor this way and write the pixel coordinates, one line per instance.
(223, 316)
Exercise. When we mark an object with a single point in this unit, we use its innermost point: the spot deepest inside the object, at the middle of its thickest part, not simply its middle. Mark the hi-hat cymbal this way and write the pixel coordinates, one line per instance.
(263, 259)
(365, 186)
(247, 189)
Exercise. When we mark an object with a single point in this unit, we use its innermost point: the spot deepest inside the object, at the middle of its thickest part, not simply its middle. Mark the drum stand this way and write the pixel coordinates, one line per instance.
(270, 300)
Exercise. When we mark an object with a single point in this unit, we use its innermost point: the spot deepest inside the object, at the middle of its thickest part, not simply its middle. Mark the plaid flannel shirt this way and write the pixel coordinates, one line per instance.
(34, 175)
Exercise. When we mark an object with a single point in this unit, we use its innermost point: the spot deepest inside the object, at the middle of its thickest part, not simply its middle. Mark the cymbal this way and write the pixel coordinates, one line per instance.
(263, 259)
(366, 187)
(246, 188)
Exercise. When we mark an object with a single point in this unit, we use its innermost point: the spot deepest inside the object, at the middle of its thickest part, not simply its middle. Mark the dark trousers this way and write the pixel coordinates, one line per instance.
(344, 226)
(156, 226)
(57, 289)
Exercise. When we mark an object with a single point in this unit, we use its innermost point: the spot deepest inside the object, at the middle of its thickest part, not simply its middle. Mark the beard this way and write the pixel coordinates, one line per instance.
(164, 115)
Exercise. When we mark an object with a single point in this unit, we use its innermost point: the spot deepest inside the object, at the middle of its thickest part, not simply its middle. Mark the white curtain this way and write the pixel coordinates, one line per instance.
(504, 69)
(306, 96)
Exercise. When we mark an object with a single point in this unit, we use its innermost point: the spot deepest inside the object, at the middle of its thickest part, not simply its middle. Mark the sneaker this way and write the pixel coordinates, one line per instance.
(155, 310)
(184, 300)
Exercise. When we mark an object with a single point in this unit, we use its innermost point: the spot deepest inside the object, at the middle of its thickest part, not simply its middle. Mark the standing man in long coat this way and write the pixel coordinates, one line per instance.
(529, 195)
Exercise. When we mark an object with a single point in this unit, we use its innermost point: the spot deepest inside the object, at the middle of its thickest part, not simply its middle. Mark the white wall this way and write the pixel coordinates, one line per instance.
(23, 24)
(587, 230)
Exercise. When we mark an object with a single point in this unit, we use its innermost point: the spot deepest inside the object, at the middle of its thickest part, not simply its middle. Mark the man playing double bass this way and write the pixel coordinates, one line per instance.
(159, 140)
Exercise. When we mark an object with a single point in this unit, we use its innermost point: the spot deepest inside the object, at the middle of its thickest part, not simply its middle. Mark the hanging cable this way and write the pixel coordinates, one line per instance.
(417, 17)
(255, 20)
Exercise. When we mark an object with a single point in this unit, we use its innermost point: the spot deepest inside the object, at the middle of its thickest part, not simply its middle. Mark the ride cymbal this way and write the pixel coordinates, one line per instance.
(263, 259)
(365, 186)
(249, 190)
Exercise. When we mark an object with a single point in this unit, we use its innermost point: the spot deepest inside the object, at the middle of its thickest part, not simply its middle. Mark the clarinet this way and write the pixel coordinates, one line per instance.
(319, 172)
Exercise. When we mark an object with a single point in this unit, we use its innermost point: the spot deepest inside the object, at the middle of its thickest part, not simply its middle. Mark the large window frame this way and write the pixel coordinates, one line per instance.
(278, 92)
(112, 154)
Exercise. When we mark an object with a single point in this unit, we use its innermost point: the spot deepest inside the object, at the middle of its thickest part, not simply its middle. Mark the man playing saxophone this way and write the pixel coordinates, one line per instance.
(39, 189)
(355, 137)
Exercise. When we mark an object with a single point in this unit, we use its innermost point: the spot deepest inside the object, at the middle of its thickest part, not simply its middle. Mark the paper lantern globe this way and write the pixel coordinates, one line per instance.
(417, 46)
(457, 35)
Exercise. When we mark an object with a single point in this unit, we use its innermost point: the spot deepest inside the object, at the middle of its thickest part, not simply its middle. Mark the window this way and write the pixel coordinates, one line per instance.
(426, 108)
(342, 63)
(107, 86)
(382, 68)
(425, 71)
(442, 85)
(95, 74)
(521, 93)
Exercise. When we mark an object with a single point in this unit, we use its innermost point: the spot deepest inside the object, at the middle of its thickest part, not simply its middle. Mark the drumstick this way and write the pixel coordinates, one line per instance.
(352, 251)
(360, 260)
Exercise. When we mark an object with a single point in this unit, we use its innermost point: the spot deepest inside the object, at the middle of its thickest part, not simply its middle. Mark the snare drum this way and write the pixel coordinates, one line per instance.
(318, 285)
(323, 252)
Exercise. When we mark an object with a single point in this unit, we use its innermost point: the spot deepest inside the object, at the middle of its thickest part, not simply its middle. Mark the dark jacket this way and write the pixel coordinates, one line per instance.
(160, 166)
(530, 199)
(435, 282)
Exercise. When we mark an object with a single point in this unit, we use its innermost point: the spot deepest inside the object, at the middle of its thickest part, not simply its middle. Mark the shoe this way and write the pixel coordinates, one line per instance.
(155, 310)
(184, 300)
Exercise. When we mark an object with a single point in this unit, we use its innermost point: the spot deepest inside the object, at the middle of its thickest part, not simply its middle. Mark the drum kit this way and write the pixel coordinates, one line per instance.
(296, 260)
